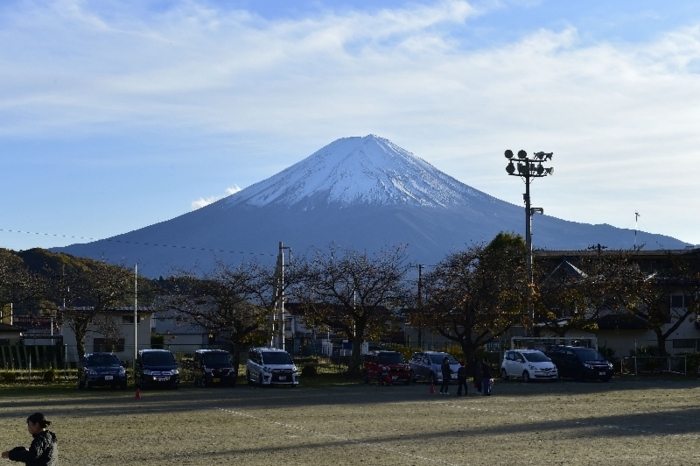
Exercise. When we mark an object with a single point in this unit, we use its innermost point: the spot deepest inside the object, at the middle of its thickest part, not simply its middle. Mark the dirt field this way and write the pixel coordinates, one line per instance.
(624, 422)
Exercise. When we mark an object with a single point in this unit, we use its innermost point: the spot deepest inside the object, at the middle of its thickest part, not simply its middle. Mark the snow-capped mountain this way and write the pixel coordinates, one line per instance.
(353, 171)
(362, 192)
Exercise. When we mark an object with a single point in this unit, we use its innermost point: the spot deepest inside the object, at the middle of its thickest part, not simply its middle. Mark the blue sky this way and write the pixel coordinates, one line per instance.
(116, 117)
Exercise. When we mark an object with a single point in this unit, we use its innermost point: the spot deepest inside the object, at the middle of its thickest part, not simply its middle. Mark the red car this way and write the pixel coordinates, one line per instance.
(386, 367)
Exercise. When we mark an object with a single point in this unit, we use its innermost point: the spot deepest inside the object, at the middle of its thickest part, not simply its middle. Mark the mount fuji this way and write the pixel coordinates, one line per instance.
(364, 193)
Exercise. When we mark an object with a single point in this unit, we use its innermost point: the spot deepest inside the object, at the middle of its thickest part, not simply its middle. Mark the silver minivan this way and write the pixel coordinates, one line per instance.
(426, 365)
(271, 366)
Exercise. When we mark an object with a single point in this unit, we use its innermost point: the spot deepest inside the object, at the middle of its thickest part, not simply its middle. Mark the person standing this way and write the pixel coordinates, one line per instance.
(477, 374)
(446, 376)
(462, 378)
(44, 448)
(486, 378)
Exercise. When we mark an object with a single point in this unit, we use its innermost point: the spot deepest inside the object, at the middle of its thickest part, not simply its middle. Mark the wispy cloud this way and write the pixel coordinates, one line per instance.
(205, 201)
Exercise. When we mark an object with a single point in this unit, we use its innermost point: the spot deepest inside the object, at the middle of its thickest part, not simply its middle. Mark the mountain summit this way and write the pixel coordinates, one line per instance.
(364, 193)
(355, 171)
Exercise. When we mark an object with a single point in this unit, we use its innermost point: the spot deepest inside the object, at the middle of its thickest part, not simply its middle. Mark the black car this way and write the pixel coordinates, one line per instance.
(101, 369)
(580, 362)
(156, 368)
(213, 367)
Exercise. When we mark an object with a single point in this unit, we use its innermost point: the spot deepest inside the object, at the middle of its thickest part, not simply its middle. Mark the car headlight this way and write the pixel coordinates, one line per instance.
(92, 372)
(175, 372)
(294, 369)
(610, 366)
(587, 366)
(385, 368)
(208, 370)
(531, 367)
(147, 372)
(122, 371)
(267, 369)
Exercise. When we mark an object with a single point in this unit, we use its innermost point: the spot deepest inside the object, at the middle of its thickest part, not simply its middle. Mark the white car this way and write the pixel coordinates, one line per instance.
(528, 364)
(271, 366)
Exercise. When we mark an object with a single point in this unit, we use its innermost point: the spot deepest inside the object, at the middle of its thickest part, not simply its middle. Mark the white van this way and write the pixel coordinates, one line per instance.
(271, 366)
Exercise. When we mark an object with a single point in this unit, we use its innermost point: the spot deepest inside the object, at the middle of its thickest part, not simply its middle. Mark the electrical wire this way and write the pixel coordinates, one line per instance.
(192, 248)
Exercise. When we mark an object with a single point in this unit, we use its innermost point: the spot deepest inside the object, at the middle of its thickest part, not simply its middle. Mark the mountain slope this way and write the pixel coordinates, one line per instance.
(364, 193)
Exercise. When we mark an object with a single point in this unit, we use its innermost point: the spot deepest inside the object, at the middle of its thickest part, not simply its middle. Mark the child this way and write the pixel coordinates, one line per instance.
(462, 379)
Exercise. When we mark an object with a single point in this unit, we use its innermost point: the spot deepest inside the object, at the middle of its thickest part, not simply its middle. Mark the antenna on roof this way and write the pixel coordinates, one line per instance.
(636, 217)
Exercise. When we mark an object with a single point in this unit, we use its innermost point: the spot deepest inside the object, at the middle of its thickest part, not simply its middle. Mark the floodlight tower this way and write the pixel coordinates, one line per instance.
(527, 169)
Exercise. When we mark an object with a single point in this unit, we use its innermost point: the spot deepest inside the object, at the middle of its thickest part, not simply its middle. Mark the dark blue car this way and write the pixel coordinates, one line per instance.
(101, 369)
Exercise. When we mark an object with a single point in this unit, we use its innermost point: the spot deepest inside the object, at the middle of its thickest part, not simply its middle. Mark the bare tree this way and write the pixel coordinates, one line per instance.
(474, 296)
(89, 288)
(230, 302)
(575, 296)
(647, 289)
(352, 293)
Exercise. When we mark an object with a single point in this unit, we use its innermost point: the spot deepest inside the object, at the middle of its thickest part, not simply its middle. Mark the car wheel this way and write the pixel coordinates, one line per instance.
(413, 377)
(606, 378)
(433, 378)
(504, 374)
(204, 382)
(526, 376)
(247, 378)
(408, 380)
(260, 380)
(88, 385)
(365, 377)
(81, 384)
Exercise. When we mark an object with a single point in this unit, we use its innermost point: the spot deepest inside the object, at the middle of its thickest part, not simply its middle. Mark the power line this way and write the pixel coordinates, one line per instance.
(192, 248)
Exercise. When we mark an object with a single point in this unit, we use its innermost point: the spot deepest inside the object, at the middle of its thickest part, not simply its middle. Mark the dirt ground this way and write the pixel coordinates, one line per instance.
(624, 422)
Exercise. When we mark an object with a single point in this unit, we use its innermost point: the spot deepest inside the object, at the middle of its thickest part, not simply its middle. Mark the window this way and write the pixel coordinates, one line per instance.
(684, 343)
(130, 319)
(108, 345)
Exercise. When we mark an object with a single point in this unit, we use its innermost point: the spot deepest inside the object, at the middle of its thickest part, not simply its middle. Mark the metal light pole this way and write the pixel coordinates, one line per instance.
(528, 168)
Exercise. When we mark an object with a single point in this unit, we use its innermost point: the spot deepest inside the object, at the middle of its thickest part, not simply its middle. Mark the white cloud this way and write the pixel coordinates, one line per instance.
(621, 118)
(205, 201)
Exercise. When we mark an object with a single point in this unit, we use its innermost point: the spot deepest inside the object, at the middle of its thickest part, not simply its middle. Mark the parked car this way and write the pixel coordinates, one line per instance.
(580, 363)
(528, 364)
(213, 367)
(100, 369)
(271, 366)
(385, 365)
(156, 368)
(425, 365)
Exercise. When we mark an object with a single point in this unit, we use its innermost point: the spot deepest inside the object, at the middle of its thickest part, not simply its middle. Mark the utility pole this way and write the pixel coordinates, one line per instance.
(278, 331)
(136, 314)
(420, 305)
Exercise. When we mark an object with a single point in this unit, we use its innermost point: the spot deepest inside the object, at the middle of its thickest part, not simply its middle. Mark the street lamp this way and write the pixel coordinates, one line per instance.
(528, 168)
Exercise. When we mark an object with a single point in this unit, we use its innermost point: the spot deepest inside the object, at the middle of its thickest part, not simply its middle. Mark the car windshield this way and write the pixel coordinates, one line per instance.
(103, 360)
(535, 357)
(439, 357)
(589, 354)
(390, 358)
(217, 358)
(158, 359)
(274, 357)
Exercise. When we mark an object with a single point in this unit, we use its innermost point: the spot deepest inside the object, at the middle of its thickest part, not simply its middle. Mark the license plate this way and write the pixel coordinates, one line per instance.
(163, 379)
(601, 373)
(283, 377)
(108, 377)
(216, 380)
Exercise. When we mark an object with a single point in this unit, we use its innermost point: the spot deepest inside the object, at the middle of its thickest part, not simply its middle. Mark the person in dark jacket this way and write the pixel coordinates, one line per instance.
(486, 378)
(44, 448)
(462, 379)
(446, 376)
(477, 374)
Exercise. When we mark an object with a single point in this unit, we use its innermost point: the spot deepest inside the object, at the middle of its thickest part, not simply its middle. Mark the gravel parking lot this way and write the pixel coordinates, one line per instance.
(624, 422)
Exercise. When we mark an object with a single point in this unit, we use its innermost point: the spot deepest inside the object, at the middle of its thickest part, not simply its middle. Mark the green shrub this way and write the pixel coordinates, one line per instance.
(9, 377)
(309, 371)
(50, 375)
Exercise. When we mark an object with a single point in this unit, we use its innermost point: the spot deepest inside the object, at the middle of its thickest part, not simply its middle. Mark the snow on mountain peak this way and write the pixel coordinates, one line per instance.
(358, 170)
